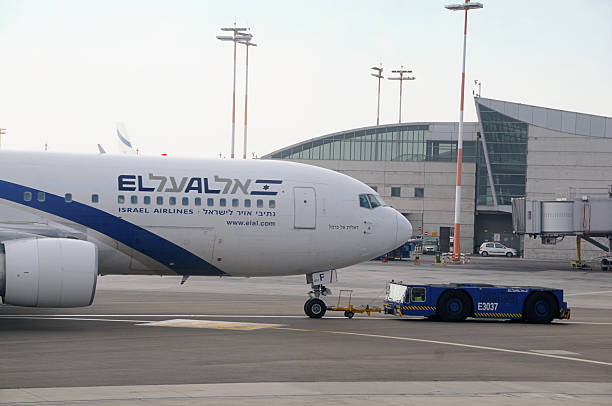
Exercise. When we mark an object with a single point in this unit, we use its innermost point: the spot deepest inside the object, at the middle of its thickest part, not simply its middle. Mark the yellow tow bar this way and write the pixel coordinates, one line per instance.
(349, 310)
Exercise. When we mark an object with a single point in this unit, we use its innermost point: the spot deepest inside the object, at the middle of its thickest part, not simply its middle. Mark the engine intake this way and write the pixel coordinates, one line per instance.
(48, 272)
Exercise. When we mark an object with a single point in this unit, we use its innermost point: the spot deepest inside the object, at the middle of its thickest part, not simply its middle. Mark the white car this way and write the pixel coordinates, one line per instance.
(495, 248)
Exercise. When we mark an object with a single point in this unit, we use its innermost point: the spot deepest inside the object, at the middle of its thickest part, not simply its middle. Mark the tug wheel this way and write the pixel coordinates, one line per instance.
(454, 305)
(539, 308)
(349, 314)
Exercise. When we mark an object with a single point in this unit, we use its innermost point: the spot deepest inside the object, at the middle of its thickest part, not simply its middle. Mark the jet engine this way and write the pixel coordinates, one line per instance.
(48, 272)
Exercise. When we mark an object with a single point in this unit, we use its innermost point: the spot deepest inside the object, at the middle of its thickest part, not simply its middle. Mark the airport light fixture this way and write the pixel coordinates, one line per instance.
(238, 34)
(378, 75)
(401, 79)
(456, 237)
(247, 43)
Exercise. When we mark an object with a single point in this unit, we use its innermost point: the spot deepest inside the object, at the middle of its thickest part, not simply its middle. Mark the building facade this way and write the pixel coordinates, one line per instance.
(520, 150)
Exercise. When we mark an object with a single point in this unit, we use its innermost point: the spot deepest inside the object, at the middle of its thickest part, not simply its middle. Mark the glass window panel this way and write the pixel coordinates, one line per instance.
(272, 204)
(172, 201)
(259, 203)
(68, 197)
(159, 200)
(222, 202)
(366, 151)
(95, 198)
(27, 196)
(134, 199)
(197, 201)
(247, 202)
(120, 199)
(337, 151)
(346, 150)
(185, 201)
(40, 196)
(235, 203)
(326, 151)
(356, 155)
(210, 202)
(314, 153)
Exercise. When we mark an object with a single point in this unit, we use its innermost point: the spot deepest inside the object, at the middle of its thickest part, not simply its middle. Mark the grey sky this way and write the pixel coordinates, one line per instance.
(70, 69)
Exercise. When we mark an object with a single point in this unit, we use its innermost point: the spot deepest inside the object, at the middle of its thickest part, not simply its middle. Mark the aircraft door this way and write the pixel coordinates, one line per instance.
(305, 207)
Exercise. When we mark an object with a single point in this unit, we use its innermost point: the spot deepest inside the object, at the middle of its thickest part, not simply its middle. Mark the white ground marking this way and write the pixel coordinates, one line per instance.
(477, 347)
(241, 316)
(213, 324)
(72, 318)
(556, 352)
(309, 393)
(276, 316)
(588, 293)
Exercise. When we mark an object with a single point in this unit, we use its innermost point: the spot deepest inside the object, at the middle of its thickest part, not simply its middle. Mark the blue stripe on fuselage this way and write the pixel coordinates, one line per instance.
(152, 245)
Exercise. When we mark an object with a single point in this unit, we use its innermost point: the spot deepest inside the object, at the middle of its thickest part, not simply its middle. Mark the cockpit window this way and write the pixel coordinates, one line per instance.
(363, 201)
(375, 201)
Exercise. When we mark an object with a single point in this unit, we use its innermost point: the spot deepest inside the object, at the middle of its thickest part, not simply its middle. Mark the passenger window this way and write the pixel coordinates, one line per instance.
(95, 198)
(146, 200)
(210, 201)
(120, 199)
(159, 200)
(247, 202)
(499, 246)
(68, 197)
(272, 204)
(490, 245)
(40, 196)
(259, 203)
(363, 201)
(172, 201)
(222, 202)
(27, 196)
(134, 199)
(198, 201)
(234, 202)
(185, 201)
(417, 294)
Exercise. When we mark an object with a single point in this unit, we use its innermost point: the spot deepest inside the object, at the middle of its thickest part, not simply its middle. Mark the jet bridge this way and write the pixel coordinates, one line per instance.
(552, 220)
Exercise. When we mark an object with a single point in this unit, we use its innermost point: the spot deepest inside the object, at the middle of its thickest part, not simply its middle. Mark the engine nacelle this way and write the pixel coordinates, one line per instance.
(48, 272)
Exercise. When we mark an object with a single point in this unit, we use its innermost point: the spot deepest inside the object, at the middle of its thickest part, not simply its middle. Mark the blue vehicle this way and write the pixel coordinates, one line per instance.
(402, 252)
(458, 301)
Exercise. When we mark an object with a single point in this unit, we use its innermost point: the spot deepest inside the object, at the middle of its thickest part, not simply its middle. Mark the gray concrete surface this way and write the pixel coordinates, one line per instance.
(108, 344)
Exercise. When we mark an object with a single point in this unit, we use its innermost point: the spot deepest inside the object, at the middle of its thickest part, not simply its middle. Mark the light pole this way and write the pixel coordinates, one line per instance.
(238, 34)
(247, 44)
(401, 79)
(378, 75)
(456, 238)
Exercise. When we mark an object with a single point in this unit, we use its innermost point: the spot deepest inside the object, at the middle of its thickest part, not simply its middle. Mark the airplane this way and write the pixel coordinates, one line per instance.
(67, 218)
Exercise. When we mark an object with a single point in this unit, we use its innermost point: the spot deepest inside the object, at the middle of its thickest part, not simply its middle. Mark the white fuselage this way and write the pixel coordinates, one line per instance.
(161, 215)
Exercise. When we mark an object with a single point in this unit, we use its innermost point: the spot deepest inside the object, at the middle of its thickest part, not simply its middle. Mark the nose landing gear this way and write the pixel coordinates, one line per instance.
(314, 306)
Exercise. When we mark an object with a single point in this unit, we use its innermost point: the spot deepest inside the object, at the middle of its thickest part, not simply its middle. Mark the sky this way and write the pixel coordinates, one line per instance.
(71, 69)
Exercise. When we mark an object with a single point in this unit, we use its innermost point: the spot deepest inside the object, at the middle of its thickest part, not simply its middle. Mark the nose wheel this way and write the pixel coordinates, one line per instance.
(315, 308)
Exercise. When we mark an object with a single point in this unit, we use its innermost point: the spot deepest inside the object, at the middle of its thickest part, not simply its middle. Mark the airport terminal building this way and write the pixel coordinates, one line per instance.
(514, 150)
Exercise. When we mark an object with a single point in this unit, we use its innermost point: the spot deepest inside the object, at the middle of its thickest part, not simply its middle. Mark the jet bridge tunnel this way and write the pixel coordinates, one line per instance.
(554, 219)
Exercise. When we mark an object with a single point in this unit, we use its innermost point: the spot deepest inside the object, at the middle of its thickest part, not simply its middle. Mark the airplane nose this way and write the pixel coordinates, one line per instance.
(404, 229)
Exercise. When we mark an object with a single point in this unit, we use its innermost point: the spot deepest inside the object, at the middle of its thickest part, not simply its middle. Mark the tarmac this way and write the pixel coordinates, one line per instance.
(241, 341)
